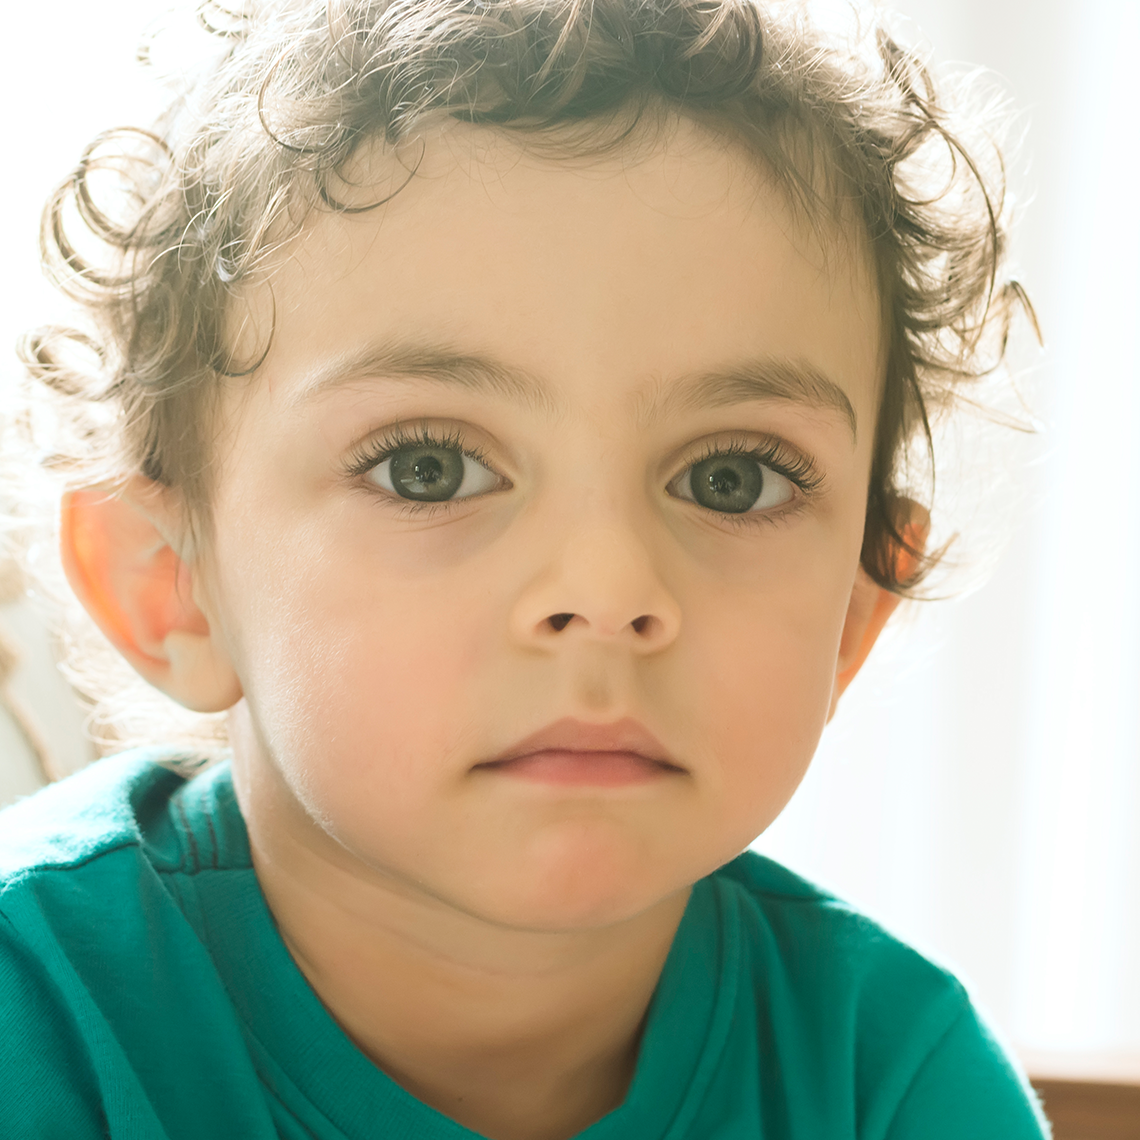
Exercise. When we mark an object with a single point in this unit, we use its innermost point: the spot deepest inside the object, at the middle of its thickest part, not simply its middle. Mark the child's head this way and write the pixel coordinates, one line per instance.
(479, 367)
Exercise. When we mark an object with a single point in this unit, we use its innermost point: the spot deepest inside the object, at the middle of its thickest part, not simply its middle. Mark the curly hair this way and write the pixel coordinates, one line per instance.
(186, 212)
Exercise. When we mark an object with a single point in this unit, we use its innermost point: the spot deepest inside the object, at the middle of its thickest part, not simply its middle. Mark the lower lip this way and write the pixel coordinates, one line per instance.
(596, 769)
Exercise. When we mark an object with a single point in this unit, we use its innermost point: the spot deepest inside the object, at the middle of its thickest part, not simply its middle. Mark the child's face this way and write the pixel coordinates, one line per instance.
(588, 333)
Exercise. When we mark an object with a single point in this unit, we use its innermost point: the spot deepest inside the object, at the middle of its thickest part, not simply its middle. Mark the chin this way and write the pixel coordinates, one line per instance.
(595, 888)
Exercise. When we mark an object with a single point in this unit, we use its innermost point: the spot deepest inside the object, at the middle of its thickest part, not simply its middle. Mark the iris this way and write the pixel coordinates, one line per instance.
(430, 474)
(730, 483)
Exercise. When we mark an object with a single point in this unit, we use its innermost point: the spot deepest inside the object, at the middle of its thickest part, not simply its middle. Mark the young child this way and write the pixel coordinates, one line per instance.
(499, 408)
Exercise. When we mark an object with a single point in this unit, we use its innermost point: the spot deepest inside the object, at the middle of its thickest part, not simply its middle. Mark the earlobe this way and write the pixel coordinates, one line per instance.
(871, 605)
(120, 562)
(867, 613)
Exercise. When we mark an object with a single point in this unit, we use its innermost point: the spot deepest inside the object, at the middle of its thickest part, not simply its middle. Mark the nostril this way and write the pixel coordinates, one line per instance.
(559, 622)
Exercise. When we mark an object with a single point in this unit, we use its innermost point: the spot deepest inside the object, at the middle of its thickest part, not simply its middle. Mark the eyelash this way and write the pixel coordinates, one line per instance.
(771, 453)
(372, 452)
(796, 467)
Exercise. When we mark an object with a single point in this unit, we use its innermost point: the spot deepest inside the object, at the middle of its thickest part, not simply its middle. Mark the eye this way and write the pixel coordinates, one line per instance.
(431, 472)
(733, 482)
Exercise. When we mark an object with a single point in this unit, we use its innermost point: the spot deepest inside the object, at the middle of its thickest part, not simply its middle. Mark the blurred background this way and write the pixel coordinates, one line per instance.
(979, 790)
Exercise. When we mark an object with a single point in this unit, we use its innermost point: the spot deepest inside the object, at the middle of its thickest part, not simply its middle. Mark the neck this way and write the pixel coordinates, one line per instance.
(517, 1034)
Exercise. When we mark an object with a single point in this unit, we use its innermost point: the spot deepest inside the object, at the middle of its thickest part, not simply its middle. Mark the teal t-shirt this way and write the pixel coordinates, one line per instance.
(145, 995)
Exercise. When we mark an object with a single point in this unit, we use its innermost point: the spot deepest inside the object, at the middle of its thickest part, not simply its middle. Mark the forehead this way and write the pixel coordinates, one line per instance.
(600, 275)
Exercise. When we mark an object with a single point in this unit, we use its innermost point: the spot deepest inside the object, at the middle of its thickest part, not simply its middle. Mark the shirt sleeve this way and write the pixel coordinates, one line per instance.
(967, 1089)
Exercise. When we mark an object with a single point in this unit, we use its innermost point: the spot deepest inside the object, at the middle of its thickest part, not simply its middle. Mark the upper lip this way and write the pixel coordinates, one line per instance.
(571, 735)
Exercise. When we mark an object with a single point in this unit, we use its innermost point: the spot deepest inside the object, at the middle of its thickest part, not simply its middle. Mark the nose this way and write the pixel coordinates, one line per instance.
(599, 584)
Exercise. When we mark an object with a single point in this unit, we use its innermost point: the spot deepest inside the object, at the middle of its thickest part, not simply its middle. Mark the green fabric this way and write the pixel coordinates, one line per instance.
(145, 993)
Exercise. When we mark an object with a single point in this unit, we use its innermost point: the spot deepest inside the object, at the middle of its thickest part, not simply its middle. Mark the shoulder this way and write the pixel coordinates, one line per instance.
(100, 955)
(114, 845)
(103, 808)
(815, 932)
(135, 800)
(898, 1030)
(836, 960)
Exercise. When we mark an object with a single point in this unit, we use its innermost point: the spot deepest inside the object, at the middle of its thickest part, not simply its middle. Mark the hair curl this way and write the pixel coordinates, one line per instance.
(186, 212)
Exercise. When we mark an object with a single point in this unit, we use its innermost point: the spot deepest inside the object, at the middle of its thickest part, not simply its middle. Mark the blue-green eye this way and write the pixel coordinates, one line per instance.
(733, 482)
(429, 472)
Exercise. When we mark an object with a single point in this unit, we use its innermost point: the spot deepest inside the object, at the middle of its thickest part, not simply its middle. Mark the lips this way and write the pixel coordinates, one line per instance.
(572, 751)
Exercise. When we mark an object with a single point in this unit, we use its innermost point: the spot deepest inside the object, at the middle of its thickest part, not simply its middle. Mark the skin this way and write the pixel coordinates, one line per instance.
(493, 942)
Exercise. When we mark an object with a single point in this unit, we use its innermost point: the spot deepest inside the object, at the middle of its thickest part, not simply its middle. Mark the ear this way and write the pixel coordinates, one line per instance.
(871, 605)
(118, 555)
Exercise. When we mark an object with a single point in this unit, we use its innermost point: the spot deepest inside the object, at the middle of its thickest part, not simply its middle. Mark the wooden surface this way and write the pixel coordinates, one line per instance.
(1091, 1110)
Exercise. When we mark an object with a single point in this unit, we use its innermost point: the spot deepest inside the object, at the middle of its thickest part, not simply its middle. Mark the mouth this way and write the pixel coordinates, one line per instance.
(573, 752)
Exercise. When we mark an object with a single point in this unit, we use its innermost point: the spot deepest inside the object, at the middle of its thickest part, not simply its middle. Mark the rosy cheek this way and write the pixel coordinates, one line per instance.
(764, 678)
(364, 702)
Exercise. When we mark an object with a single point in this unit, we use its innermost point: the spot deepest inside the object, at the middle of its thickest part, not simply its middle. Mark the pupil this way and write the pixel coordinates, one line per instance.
(429, 474)
(428, 470)
(730, 483)
(723, 481)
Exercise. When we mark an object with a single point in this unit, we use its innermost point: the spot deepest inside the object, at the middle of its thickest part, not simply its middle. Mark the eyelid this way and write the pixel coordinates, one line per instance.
(770, 451)
(381, 444)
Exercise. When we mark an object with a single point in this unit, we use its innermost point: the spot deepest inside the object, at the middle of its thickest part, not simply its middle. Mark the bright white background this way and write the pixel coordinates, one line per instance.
(979, 789)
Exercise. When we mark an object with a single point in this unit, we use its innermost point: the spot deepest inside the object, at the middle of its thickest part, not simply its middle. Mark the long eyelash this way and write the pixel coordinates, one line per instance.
(374, 450)
(771, 453)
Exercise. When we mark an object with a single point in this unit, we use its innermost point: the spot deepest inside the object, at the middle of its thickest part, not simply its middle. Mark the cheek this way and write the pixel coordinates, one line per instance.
(354, 680)
(762, 669)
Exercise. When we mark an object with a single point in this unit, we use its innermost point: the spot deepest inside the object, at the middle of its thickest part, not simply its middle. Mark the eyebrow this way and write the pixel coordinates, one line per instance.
(766, 378)
(399, 360)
